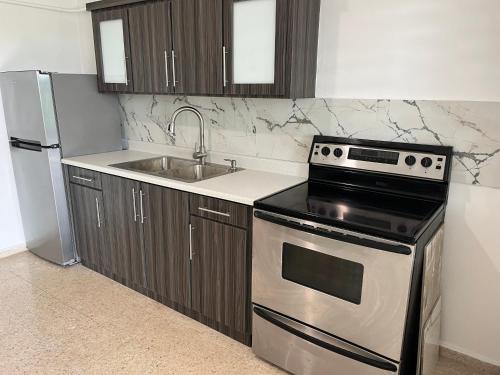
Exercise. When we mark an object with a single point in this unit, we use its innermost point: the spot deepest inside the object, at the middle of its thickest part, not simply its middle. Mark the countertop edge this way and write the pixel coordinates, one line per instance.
(173, 184)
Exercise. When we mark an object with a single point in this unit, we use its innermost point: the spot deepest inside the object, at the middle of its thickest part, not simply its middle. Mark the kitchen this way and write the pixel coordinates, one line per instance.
(399, 72)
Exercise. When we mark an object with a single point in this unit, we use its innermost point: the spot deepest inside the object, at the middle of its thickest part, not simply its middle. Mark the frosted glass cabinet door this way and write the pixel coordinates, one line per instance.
(254, 46)
(254, 35)
(112, 49)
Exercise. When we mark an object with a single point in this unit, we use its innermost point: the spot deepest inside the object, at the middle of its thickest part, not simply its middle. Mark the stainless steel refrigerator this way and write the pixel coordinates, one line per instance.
(50, 116)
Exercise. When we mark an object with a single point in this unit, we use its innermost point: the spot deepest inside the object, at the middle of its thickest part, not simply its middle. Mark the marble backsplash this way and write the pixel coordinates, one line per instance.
(283, 129)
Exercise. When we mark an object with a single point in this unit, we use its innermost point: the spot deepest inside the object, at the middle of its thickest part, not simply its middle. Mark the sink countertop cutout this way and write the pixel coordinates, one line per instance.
(244, 186)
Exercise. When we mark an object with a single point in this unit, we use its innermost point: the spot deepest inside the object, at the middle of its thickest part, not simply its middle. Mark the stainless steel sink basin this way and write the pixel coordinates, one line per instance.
(155, 165)
(196, 172)
(176, 169)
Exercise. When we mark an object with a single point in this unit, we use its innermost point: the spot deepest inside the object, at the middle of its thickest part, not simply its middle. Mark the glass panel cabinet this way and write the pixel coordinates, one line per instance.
(254, 41)
(111, 38)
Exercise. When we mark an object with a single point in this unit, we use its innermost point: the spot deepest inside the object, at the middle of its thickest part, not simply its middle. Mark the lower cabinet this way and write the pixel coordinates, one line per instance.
(124, 234)
(89, 226)
(187, 251)
(166, 244)
(220, 263)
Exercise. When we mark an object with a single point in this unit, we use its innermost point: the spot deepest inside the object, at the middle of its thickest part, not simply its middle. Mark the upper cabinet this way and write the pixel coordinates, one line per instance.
(151, 47)
(112, 49)
(197, 46)
(254, 47)
(258, 48)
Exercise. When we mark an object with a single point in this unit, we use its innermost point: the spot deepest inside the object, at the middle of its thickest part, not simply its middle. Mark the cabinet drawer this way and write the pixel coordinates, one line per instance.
(84, 177)
(219, 210)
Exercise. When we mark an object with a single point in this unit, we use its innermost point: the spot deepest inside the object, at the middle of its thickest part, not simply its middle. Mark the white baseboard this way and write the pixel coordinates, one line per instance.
(12, 250)
(468, 353)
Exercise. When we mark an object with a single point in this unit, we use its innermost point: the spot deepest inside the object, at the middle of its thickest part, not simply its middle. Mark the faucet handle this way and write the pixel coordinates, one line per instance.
(233, 164)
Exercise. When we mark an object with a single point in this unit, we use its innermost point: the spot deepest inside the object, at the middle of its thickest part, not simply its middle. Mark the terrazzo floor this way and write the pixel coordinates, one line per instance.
(57, 320)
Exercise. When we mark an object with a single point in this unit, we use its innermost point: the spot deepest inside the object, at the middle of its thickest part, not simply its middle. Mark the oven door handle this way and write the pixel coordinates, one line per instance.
(325, 340)
(393, 248)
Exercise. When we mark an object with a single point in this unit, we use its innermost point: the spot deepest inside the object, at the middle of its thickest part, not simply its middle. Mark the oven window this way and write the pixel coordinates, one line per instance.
(331, 275)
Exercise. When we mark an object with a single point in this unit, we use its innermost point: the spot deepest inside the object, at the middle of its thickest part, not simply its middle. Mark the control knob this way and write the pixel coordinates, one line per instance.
(410, 160)
(426, 162)
(325, 151)
(338, 152)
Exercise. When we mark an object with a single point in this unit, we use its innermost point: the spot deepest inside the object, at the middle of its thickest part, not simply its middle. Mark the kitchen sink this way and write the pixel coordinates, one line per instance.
(176, 168)
(155, 165)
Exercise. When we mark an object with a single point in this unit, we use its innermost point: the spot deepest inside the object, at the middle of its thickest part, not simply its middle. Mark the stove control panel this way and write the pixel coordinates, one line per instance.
(407, 163)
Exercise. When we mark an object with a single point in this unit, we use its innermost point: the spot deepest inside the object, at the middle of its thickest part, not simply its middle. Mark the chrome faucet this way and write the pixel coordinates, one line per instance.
(201, 153)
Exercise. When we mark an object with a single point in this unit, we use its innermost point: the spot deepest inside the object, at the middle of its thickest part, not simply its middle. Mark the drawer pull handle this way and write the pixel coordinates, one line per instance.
(214, 212)
(83, 179)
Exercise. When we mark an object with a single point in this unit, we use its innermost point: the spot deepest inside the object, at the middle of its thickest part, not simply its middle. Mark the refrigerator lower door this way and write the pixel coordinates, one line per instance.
(43, 204)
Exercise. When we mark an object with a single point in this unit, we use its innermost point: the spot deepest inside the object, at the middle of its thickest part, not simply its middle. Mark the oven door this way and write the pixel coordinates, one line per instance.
(354, 287)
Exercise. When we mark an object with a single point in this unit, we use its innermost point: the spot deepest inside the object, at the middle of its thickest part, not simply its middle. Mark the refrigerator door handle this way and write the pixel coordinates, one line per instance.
(30, 145)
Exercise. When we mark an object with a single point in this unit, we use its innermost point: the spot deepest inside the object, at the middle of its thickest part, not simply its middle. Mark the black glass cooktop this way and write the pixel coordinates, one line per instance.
(380, 214)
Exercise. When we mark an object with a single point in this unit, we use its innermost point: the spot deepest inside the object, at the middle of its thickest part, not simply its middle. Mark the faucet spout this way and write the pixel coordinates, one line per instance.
(201, 152)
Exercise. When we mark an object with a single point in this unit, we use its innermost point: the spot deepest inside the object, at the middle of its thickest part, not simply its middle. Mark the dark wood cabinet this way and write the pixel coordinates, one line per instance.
(166, 244)
(254, 84)
(189, 252)
(252, 66)
(220, 277)
(125, 237)
(112, 49)
(197, 36)
(89, 226)
(259, 48)
(151, 47)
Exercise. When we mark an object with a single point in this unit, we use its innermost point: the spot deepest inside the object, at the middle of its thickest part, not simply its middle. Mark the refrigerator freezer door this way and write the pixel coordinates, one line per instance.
(29, 114)
(28, 106)
(88, 121)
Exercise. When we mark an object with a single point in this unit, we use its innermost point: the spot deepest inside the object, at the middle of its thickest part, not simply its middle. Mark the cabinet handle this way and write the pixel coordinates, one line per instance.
(214, 212)
(141, 194)
(83, 179)
(166, 68)
(173, 69)
(133, 201)
(191, 228)
(98, 213)
(224, 77)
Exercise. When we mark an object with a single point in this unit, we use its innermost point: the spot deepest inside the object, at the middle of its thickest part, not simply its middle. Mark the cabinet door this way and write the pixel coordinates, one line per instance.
(219, 274)
(112, 49)
(122, 207)
(151, 47)
(197, 50)
(255, 47)
(89, 224)
(166, 243)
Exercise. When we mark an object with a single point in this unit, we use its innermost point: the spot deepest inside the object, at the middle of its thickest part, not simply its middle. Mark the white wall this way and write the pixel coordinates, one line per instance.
(471, 272)
(31, 38)
(411, 49)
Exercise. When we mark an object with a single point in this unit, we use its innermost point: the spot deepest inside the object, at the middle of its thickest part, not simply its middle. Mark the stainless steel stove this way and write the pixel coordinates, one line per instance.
(346, 266)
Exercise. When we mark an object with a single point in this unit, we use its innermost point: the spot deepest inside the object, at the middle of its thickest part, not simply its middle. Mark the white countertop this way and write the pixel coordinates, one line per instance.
(244, 187)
